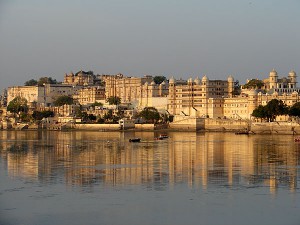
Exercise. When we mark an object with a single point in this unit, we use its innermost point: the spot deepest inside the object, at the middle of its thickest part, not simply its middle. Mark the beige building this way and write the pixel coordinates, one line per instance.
(139, 91)
(41, 95)
(80, 78)
(33, 94)
(90, 94)
(199, 97)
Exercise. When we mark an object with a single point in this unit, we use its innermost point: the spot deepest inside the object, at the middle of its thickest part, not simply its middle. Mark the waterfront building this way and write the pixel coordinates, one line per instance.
(41, 95)
(90, 94)
(139, 91)
(197, 97)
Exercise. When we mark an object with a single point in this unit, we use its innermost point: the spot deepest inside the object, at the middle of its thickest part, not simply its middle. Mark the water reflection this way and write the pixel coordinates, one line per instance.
(193, 159)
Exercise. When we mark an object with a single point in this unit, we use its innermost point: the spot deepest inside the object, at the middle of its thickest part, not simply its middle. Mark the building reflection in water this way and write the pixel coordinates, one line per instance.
(193, 159)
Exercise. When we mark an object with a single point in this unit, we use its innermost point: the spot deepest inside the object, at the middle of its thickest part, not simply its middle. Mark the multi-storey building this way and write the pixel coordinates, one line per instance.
(80, 78)
(41, 95)
(199, 97)
(91, 94)
(33, 94)
(139, 91)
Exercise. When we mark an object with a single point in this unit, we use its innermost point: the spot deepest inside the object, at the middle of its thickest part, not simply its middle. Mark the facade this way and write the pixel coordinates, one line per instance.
(91, 94)
(80, 78)
(33, 94)
(135, 90)
(199, 97)
(282, 85)
(41, 95)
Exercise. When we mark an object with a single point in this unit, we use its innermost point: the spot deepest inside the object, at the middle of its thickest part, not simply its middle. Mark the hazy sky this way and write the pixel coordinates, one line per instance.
(186, 38)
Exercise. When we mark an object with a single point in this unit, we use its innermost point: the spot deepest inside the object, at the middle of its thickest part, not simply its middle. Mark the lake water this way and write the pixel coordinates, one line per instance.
(80, 177)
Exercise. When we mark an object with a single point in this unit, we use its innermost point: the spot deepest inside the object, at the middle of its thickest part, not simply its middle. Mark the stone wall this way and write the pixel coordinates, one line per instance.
(98, 127)
(226, 125)
(275, 128)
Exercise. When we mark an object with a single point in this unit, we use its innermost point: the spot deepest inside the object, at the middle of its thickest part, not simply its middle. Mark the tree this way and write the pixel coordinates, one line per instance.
(295, 110)
(236, 88)
(18, 104)
(150, 114)
(96, 104)
(63, 100)
(46, 80)
(39, 115)
(259, 112)
(31, 82)
(159, 79)
(275, 108)
(114, 100)
(254, 83)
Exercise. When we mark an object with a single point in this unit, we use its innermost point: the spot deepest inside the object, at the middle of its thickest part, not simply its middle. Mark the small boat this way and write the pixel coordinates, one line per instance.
(242, 132)
(297, 139)
(163, 136)
(134, 140)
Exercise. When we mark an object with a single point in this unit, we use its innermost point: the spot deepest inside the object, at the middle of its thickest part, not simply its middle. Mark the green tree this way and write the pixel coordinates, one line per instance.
(46, 80)
(259, 112)
(236, 88)
(150, 114)
(63, 100)
(295, 110)
(18, 104)
(159, 79)
(275, 108)
(39, 115)
(254, 83)
(96, 104)
(31, 82)
(114, 100)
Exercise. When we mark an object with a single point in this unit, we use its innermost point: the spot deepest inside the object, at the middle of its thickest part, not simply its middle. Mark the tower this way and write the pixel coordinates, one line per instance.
(293, 79)
(273, 79)
(230, 81)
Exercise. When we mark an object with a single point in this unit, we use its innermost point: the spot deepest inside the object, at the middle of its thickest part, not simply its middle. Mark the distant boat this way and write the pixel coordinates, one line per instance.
(134, 140)
(297, 139)
(162, 136)
(242, 132)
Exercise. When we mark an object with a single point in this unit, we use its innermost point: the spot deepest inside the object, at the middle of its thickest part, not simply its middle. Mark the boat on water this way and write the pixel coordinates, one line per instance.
(135, 140)
(242, 132)
(297, 139)
(162, 137)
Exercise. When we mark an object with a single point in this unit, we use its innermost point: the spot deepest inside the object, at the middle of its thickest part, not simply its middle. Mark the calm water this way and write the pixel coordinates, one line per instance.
(55, 177)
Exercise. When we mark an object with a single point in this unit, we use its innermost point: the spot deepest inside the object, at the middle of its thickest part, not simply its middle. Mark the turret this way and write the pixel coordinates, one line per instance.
(230, 81)
(293, 79)
(204, 80)
(273, 79)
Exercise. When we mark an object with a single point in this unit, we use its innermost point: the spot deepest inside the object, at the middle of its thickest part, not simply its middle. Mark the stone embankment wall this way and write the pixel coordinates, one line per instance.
(226, 125)
(275, 128)
(97, 127)
(188, 124)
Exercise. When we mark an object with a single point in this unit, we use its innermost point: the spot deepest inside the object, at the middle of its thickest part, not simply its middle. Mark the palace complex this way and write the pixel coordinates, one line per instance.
(193, 97)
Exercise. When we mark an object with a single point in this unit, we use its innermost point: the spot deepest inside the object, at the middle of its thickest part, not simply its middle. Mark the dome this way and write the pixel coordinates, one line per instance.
(152, 83)
(146, 83)
(204, 78)
(172, 80)
(190, 80)
(273, 73)
(197, 80)
(230, 79)
(292, 73)
(163, 83)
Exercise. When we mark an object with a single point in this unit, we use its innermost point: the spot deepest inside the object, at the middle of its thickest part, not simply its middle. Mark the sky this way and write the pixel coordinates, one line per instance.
(190, 38)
